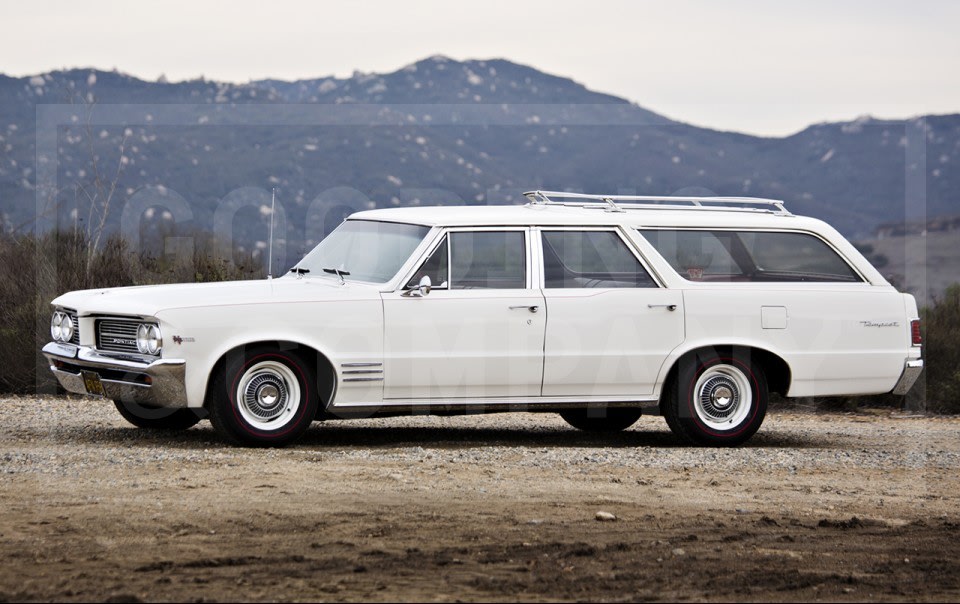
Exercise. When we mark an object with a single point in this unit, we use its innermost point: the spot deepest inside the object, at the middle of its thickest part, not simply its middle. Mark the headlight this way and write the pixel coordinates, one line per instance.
(66, 328)
(56, 326)
(61, 327)
(149, 340)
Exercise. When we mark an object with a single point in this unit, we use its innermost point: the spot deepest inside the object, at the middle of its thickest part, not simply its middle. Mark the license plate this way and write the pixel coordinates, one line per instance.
(93, 384)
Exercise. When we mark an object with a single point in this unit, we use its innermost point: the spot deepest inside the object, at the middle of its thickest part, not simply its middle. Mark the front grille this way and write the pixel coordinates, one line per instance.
(76, 326)
(117, 335)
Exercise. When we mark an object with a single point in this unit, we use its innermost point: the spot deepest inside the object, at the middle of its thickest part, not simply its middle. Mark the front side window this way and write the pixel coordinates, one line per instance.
(753, 256)
(476, 259)
(579, 259)
(488, 259)
(364, 250)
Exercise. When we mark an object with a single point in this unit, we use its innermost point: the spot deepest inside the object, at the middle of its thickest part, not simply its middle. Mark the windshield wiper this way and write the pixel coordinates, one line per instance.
(300, 272)
(337, 272)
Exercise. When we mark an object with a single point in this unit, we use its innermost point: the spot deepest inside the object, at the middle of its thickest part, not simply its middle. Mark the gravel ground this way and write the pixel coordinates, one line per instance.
(495, 507)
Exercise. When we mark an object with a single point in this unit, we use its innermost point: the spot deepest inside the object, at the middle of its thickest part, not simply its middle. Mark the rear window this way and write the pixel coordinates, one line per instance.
(752, 256)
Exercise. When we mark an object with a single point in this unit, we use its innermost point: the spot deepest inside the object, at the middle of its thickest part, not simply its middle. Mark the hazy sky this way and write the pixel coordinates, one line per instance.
(763, 67)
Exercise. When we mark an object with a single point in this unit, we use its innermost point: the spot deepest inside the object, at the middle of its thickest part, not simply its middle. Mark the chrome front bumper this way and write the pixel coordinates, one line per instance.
(152, 383)
(911, 372)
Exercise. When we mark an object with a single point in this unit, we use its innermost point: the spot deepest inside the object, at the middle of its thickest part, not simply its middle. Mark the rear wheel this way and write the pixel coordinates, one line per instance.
(717, 399)
(263, 397)
(601, 419)
(159, 418)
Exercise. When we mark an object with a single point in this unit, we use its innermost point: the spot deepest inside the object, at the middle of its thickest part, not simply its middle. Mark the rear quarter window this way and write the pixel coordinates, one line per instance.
(749, 256)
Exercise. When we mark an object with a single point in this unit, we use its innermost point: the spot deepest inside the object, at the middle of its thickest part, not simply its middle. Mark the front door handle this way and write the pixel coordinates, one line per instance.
(670, 307)
(530, 308)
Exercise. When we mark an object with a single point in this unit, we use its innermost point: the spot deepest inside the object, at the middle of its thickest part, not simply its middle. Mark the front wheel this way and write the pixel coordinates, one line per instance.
(717, 398)
(263, 397)
(159, 418)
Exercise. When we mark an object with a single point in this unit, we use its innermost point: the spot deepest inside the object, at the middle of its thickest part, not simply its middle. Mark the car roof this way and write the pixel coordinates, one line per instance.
(565, 215)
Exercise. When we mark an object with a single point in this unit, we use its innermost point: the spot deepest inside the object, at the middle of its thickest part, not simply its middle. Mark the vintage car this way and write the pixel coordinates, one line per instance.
(599, 308)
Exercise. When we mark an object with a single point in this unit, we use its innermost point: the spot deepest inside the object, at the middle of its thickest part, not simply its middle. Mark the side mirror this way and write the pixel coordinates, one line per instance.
(422, 289)
(425, 285)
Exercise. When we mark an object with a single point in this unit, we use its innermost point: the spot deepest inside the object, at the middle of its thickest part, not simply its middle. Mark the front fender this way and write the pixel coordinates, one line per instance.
(342, 331)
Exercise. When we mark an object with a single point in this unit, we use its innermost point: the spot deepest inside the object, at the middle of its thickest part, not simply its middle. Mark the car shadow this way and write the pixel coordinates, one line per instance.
(345, 434)
(327, 436)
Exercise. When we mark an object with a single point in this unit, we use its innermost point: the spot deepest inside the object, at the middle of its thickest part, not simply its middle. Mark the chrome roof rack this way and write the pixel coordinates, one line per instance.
(622, 203)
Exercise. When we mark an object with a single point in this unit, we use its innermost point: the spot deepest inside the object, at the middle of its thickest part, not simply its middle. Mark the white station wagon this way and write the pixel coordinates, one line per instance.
(599, 308)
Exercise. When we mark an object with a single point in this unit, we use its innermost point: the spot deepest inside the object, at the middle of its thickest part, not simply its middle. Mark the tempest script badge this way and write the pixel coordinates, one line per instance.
(180, 340)
(880, 323)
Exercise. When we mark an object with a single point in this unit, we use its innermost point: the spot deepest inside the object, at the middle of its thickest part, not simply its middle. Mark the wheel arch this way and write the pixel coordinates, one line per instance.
(324, 367)
(775, 368)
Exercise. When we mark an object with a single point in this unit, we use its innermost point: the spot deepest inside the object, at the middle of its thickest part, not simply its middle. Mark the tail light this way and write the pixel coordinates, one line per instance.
(915, 337)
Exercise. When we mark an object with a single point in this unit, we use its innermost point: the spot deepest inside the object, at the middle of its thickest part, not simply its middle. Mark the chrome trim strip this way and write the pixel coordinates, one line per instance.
(121, 382)
(140, 318)
(363, 379)
(356, 371)
(91, 357)
(361, 364)
(572, 401)
(66, 351)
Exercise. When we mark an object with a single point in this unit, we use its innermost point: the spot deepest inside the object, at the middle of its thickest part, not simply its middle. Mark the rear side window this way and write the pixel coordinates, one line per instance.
(581, 259)
(753, 256)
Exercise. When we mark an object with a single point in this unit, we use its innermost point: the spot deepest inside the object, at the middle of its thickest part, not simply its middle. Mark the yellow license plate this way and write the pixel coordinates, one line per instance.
(93, 384)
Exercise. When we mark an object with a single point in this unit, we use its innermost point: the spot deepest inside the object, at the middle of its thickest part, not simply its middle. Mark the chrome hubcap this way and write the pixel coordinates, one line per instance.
(265, 394)
(722, 397)
(268, 395)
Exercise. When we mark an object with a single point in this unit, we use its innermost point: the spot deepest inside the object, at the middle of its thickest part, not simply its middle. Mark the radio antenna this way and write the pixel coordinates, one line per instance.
(273, 207)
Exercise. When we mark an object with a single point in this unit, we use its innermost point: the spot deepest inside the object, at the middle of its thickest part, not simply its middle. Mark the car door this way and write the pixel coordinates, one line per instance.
(610, 324)
(478, 333)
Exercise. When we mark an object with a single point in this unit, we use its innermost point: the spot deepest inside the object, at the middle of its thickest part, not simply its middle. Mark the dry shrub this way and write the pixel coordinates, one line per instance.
(941, 352)
(36, 269)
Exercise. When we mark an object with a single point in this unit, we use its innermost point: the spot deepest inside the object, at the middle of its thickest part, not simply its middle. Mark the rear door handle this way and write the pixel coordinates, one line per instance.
(530, 308)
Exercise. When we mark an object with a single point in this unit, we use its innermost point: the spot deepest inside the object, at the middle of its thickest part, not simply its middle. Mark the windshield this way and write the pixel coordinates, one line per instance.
(363, 250)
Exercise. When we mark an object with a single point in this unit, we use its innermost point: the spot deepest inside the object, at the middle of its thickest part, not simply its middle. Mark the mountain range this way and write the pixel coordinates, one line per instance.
(438, 131)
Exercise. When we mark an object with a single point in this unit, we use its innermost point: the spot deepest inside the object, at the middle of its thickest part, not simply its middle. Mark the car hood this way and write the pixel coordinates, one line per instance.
(149, 300)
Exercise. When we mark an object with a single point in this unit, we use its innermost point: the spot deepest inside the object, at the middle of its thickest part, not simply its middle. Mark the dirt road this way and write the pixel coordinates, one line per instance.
(817, 506)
